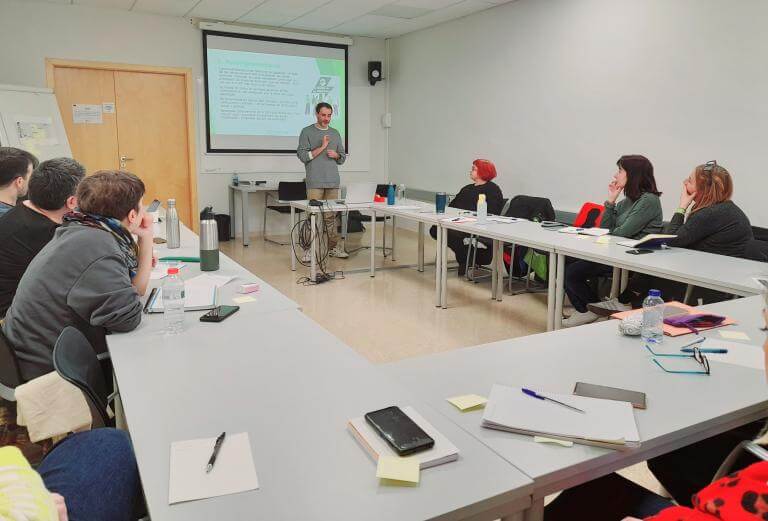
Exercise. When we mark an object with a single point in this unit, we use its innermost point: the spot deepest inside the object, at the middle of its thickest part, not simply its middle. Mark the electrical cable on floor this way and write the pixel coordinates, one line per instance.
(301, 236)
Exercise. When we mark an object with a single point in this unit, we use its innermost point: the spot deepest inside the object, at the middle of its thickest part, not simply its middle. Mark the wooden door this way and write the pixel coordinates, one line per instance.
(148, 122)
(152, 130)
(93, 144)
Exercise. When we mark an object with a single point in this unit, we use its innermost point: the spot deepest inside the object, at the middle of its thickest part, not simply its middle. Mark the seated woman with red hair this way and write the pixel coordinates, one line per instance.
(481, 174)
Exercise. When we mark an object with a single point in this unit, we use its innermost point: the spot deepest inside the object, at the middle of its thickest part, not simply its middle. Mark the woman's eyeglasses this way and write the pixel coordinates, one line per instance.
(697, 355)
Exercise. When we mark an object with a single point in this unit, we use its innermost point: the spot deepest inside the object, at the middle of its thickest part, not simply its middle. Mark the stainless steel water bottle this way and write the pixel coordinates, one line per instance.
(172, 230)
(209, 241)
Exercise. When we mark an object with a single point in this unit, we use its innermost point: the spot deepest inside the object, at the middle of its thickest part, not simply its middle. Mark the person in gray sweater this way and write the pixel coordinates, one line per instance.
(321, 149)
(89, 276)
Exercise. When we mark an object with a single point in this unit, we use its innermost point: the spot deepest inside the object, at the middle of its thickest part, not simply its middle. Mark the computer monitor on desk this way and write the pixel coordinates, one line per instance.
(359, 193)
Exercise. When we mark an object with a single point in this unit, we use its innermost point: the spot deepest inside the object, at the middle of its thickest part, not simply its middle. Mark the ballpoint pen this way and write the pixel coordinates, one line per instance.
(538, 396)
(216, 447)
(718, 351)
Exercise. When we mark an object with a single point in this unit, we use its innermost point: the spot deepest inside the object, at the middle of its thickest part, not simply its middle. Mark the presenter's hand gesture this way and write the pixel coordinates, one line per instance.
(326, 140)
(333, 154)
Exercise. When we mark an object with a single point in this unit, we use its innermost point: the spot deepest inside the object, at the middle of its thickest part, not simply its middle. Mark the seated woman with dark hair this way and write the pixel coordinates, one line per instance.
(635, 216)
(481, 174)
(714, 224)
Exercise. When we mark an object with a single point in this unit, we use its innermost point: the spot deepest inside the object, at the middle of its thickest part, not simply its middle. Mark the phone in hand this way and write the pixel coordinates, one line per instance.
(219, 313)
(399, 430)
(639, 251)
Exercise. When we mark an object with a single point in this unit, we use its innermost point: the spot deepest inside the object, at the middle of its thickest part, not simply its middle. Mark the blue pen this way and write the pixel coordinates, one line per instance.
(717, 351)
(534, 394)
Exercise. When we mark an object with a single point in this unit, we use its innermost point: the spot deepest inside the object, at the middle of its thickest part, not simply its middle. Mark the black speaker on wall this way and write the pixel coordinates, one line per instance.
(374, 72)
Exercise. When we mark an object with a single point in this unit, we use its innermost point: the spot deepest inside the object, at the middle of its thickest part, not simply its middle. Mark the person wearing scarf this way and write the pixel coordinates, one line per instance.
(90, 276)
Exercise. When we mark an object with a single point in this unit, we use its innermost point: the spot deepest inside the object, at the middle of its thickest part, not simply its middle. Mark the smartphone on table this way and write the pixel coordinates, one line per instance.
(639, 251)
(219, 313)
(399, 431)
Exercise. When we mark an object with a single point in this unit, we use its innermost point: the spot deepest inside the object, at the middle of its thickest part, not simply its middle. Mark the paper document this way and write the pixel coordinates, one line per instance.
(738, 354)
(654, 240)
(398, 469)
(499, 219)
(233, 472)
(594, 232)
(200, 293)
(82, 113)
(606, 423)
(460, 220)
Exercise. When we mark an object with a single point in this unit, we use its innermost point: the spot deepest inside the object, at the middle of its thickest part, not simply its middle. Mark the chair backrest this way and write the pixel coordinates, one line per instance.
(292, 190)
(504, 206)
(533, 208)
(10, 376)
(76, 362)
(590, 216)
(756, 250)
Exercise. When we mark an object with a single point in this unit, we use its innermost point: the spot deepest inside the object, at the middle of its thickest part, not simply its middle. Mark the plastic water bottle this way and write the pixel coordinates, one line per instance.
(172, 227)
(482, 209)
(173, 302)
(391, 195)
(401, 193)
(653, 318)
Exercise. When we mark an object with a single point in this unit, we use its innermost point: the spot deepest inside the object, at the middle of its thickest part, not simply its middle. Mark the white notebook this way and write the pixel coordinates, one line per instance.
(442, 452)
(200, 293)
(606, 423)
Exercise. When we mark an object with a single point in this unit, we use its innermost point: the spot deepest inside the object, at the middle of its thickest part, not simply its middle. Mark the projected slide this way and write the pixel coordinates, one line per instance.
(260, 101)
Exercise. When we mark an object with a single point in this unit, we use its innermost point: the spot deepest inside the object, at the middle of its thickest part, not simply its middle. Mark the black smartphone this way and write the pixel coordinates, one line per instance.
(639, 251)
(153, 206)
(401, 432)
(219, 313)
(636, 398)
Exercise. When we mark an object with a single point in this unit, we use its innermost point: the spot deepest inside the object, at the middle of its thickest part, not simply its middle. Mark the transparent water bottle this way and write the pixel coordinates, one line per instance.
(653, 318)
(482, 209)
(401, 193)
(173, 302)
(172, 227)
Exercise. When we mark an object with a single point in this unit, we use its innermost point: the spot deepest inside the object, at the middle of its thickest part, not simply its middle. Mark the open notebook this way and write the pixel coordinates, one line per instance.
(442, 452)
(200, 293)
(653, 240)
(594, 232)
(606, 423)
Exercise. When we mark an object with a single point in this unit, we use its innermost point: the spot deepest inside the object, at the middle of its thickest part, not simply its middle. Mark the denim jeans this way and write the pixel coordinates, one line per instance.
(96, 473)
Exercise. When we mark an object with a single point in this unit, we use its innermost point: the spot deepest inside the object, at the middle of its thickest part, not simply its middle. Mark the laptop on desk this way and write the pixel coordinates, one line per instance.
(359, 193)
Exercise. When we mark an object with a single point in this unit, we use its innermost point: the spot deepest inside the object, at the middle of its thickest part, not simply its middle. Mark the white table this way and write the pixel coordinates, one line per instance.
(718, 272)
(682, 409)
(245, 190)
(424, 215)
(313, 212)
(292, 386)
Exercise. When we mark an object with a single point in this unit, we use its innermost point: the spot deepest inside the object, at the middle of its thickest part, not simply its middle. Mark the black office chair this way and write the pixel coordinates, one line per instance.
(76, 362)
(10, 376)
(535, 209)
(286, 191)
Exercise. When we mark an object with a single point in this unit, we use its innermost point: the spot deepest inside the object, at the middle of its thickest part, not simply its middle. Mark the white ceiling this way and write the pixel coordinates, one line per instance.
(376, 18)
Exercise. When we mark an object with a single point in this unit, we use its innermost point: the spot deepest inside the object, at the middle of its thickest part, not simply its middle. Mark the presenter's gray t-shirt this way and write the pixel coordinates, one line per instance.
(322, 171)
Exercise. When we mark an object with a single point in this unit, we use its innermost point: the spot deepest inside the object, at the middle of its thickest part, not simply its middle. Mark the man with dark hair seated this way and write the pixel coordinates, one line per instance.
(89, 276)
(29, 226)
(16, 167)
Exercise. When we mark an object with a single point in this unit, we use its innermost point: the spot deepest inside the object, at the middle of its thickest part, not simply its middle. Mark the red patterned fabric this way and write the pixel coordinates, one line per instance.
(740, 496)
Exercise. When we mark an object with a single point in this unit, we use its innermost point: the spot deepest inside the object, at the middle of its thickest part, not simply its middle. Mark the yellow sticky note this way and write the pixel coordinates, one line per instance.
(604, 239)
(468, 402)
(543, 439)
(392, 468)
(733, 335)
(243, 300)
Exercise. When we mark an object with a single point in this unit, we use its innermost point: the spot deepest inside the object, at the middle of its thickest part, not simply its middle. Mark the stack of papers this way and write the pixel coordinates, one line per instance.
(499, 219)
(593, 232)
(605, 423)
(460, 220)
(443, 450)
(233, 472)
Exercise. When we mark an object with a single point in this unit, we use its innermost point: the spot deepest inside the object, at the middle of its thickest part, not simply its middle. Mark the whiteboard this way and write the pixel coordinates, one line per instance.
(30, 120)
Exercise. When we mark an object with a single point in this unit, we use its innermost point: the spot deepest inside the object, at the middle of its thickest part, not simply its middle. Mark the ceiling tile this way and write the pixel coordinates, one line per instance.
(226, 11)
(374, 26)
(166, 7)
(428, 4)
(278, 12)
(114, 4)
(451, 13)
(336, 12)
(404, 12)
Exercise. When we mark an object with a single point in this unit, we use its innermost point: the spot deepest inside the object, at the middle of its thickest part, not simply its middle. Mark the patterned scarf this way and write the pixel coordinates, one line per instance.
(128, 246)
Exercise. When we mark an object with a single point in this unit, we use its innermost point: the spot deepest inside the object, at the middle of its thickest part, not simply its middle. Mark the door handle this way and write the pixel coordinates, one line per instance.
(124, 158)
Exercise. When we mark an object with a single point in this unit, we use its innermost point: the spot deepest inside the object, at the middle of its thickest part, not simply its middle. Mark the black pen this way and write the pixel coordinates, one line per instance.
(216, 447)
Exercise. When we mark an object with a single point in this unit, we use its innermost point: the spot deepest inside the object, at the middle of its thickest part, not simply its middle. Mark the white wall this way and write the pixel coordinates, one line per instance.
(33, 31)
(554, 91)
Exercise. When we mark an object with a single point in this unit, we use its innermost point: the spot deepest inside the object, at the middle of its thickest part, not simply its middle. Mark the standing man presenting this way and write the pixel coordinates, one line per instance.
(322, 151)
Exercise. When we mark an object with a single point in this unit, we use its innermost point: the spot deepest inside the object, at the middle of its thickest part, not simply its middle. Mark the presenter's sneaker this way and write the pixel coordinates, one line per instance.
(307, 257)
(338, 252)
(579, 319)
(608, 307)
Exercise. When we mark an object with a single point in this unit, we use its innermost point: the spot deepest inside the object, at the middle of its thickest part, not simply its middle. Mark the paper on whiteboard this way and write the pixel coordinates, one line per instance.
(34, 131)
(86, 114)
